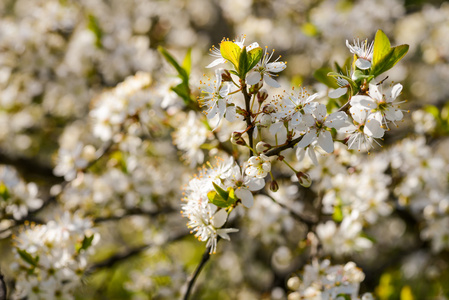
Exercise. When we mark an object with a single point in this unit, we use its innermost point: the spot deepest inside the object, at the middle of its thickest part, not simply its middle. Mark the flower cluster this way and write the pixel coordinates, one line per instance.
(17, 198)
(50, 259)
(211, 195)
(321, 280)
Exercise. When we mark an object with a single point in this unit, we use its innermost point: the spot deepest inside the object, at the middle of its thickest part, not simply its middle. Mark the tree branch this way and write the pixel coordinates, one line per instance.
(191, 282)
(278, 150)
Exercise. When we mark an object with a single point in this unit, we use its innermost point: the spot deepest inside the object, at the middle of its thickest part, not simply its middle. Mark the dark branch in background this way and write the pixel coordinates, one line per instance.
(195, 274)
(30, 217)
(136, 212)
(30, 168)
(3, 290)
(119, 257)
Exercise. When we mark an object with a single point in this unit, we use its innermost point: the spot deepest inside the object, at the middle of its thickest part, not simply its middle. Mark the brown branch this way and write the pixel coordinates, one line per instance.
(248, 116)
(278, 150)
(191, 282)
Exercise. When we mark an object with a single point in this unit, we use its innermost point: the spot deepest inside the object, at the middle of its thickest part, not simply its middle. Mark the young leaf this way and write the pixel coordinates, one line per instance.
(224, 194)
(385, 56)
(254, 56)
(27, 257)
(395, 55)
(321, 76)
(219, 201)
(171, 60)
(381, 47)
(4, 193)
(187, 62)
(243, 63)
(231, 51)
(87, 242)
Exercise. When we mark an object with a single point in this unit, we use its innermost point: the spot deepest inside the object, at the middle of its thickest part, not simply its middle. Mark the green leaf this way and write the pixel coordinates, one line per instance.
(321, 76)
(87, 242)
(351, 82)
(359, 75)
(254, 56)
(92, 25)
(234, 72)
(381, 47)
(346, 66)
(345, 296)
(187, 62)
(27, 257)
(4, 193)
(385, 56)
(433, 110)
(182, 92)
(388, 61)
(171, 60)
(222, 198)
(231, 52)
(243, 63)
(337, 216)
(224, 194)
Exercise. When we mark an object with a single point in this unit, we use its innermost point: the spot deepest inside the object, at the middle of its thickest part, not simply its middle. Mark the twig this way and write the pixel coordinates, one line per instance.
(248, 117)
(278, 150)
(200, 266)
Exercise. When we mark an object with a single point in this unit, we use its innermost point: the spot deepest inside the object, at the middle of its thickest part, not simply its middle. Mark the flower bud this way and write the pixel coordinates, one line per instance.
(262, 147)
(262, 95)
(226, 76)
(268, 109)
(304, 179)
(274, 186)
(237, 139)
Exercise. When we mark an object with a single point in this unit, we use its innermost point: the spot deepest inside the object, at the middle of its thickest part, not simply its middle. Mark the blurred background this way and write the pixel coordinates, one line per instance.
(58, 56)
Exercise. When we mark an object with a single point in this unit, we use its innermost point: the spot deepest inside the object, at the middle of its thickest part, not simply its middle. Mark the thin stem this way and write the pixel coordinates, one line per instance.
(248, 117)
(200, 266)
(288, 145)
(290, 166)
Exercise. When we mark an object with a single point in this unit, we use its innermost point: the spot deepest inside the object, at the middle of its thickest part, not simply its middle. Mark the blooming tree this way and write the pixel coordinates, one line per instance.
(295, 186)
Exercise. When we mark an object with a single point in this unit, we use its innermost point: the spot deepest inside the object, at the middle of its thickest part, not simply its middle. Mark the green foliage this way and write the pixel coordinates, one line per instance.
(242, 59)
(28, 257)
(182, 89)
(87, 242)
(222, 198)
(4, 193)
(385, 56)
(322, 76)
(92, 25)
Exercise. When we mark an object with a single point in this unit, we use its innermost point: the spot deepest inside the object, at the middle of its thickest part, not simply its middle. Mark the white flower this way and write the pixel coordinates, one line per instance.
(70, 162)
(244, 185)
(343, 88)
(381, 106)
(293, 106)
(189, 137)
(264, 70)
(365, 129)
(215, 97)
(320, 124)
(363, 51)
(258, 166)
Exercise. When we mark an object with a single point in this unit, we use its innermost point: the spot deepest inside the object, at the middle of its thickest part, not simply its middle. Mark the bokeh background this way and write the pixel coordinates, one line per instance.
(57, 59)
